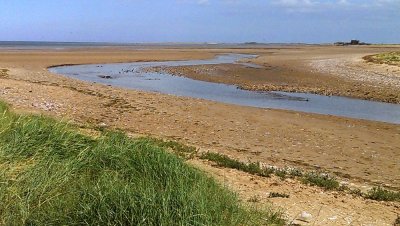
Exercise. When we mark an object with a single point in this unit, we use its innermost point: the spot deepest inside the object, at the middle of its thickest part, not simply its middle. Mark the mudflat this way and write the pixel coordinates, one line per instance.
(359, 151)
(339, 71)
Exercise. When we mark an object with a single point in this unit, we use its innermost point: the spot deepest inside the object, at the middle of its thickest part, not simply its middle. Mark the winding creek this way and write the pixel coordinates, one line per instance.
(134, 76)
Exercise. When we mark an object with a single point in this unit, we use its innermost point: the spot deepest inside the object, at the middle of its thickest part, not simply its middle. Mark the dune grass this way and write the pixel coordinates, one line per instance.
(50, 174)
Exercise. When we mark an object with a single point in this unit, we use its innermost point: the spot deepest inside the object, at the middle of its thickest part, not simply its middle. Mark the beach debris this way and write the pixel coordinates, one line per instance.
(305, 217)
(333, 218)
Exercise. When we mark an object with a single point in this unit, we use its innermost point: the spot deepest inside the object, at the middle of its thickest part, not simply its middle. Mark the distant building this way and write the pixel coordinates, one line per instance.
(355, 42)
(352, 42)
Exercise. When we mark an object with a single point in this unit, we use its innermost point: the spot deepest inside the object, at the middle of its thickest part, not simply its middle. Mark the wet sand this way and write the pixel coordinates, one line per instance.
(366, 152)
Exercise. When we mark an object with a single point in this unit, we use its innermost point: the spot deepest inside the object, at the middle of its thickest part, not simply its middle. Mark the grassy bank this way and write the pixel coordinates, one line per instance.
(50, 174)
(392, 58)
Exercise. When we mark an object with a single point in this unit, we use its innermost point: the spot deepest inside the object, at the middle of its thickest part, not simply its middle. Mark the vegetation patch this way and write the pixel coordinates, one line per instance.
(225, 161)
(319, 179)
(51, 174)
(4, 72)
(313, 178)
(278, 195)
(392, 58)
(381, 194)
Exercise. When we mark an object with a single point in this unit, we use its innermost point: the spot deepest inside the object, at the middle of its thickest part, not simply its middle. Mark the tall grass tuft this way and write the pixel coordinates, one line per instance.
(50, 174)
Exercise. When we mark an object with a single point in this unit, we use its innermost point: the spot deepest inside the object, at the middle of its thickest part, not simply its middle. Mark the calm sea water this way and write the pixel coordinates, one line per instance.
(54, 45)
(20, 45)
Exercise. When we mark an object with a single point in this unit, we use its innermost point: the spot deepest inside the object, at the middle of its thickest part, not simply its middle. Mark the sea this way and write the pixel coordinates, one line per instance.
(27, 45)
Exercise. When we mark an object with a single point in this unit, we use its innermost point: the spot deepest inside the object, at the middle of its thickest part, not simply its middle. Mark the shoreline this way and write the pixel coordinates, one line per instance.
(365, 152)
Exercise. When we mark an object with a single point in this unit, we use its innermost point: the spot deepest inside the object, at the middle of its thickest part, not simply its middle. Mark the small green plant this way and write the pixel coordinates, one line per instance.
(381, 194)
(321, 180)
(278, 195)
(281, 173)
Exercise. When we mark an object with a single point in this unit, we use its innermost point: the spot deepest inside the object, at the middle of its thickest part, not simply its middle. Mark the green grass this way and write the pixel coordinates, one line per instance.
(392, 58)
(50, 174)
(225, 161)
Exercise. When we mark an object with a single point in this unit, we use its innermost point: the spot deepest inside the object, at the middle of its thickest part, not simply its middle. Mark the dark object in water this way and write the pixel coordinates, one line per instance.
(105, 76)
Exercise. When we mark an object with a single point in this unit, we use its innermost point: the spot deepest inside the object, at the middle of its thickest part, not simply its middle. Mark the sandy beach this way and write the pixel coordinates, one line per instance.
(359, 152)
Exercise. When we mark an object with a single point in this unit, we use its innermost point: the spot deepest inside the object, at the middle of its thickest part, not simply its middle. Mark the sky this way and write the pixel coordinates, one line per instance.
(228, 21)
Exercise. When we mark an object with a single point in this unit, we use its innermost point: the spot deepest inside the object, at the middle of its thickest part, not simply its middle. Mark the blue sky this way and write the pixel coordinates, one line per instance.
(310, 21)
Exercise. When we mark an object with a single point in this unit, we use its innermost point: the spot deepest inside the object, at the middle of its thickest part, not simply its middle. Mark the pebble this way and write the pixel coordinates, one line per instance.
(102, 125)
(304, 216)
(333, 218)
